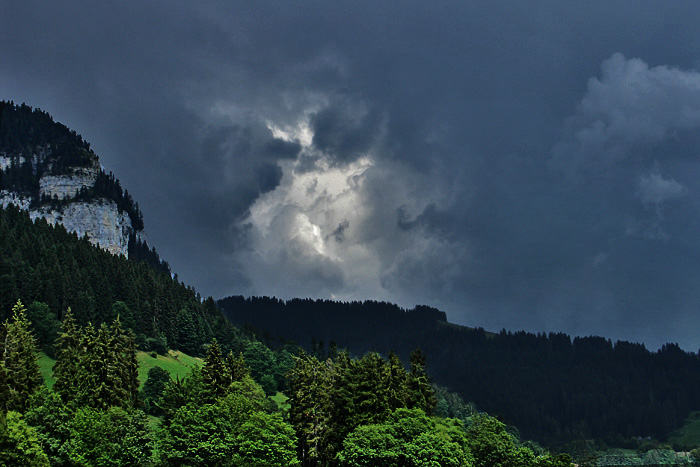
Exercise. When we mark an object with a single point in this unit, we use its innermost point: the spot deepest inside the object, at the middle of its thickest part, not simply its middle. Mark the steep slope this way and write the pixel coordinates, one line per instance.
(44, 263)
(50, 171)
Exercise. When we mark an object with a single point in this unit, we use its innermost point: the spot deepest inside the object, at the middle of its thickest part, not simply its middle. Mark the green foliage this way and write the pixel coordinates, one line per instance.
(261, 361)
(309, 402)
(555, 388)
(67, 347)
(451, 404)
(330, 399)
(237, 367)
(51, 419)
(492, 446)
(206, 434)
(96, 368)
(421, 391)
(19, 443)
(408, 438)
(370, 446)
(180, 392)
(153, 389)
(45, 325)
(216, 376)
(112, 437)
(19, 370)
(265, 440)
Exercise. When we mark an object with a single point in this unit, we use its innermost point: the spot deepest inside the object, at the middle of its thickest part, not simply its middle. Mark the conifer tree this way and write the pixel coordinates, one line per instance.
(398, 392)
(370, 395)
(307, 398)
(123, 347)
(422, 395)
(339, 405)
(19, 361)
(237, 367)
(216, 377)
(67, 348)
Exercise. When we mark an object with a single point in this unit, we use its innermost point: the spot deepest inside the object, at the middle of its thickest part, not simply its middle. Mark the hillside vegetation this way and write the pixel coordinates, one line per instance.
(555, 389)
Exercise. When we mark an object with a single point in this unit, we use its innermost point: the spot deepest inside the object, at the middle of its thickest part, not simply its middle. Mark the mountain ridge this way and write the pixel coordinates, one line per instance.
(51, 172)
(553, 387)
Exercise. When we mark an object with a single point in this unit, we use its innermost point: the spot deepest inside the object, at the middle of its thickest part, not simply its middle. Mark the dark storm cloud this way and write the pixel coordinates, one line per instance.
(344, 133)
(339, 232)
(534, 165)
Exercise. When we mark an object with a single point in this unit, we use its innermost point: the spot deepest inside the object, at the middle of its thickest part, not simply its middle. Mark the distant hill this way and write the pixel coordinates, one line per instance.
(555, 389)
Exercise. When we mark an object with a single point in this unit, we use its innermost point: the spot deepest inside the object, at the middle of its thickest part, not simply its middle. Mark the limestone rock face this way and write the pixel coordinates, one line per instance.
(97, 218)
(6, 162)
(100, 220)
(9, 197)
(68, 186)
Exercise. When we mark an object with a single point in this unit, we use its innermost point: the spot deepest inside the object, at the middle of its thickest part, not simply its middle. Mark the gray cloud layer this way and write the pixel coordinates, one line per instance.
(519, 165)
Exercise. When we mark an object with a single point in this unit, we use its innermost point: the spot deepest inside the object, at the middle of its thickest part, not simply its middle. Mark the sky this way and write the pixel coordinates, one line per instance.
(519, 165)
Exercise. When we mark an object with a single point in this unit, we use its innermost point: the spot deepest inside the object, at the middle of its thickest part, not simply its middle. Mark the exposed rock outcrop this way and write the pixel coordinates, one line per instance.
(50, 171)
(68, 186)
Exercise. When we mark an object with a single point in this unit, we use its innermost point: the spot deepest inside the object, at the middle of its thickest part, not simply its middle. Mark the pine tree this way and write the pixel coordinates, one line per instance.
(339, 405)
(398, 391)
(108, 369)
(216, 377)
(422, 395)
(307, 398)
(19, 361)
(237, 367)
(123, 347)
(67, 348)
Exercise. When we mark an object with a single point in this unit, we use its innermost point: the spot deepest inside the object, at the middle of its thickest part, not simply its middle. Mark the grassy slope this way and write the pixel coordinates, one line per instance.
(45, 366)
(687, 436)
(175, 363)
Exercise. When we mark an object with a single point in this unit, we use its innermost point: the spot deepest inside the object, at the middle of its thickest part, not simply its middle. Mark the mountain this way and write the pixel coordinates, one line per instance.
(50, 171)
(554, 388)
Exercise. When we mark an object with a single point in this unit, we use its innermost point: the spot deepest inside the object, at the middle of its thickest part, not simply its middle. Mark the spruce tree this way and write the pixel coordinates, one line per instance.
(307, 382)
(398, 391)
(19, 361)
(216, 377)
(422, 395)
(237, 367)
(67, 348)
(123, 347)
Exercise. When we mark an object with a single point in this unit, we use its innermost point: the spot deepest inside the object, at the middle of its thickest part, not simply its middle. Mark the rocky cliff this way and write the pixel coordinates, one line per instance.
(51, 172)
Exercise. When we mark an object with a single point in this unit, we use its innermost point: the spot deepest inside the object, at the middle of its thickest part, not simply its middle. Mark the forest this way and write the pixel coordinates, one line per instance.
(555, 389)
(339, 411)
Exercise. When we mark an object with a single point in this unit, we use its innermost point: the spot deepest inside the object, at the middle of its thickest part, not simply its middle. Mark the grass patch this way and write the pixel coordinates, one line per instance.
(687, 436)
(176, 363)
(46, 368)
(281, 401)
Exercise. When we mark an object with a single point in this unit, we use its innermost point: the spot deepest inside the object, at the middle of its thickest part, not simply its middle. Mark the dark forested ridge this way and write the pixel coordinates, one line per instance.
(552, 387)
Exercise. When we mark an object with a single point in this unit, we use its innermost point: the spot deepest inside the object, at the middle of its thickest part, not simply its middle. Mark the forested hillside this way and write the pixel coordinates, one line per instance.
(553, 388)
(44, 263)
(343, 412)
